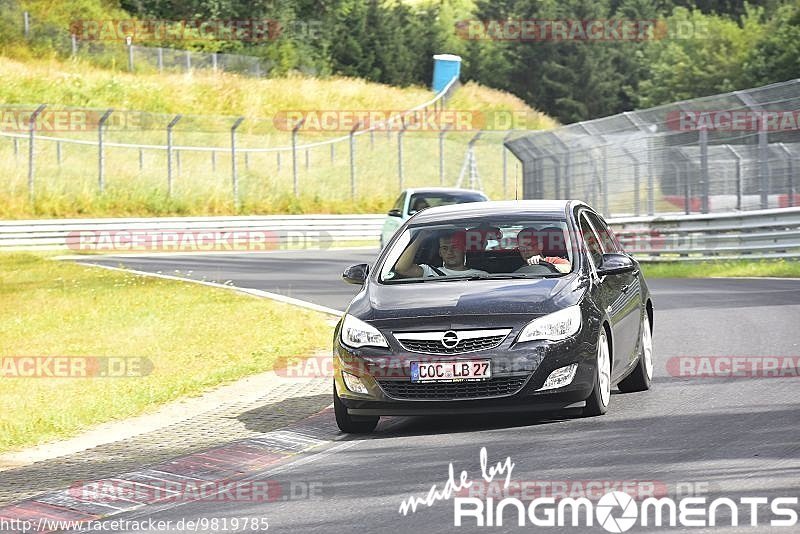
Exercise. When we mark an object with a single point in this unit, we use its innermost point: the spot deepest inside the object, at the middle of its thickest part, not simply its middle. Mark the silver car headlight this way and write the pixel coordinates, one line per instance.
(356, 333)
(554, 326)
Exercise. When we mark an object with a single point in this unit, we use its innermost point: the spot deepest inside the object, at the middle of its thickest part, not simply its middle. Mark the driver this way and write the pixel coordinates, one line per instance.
(452, 245)
(420, 204)
(531, 243)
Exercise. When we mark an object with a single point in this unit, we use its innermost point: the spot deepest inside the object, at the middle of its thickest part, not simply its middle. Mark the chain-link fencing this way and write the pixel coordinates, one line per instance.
(735, 151)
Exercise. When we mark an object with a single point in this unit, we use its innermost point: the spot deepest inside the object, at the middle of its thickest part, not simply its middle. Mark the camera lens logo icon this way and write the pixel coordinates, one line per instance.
(616, 511)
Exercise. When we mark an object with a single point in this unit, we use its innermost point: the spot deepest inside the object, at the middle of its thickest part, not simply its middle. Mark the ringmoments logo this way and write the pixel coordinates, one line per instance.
(614, 511)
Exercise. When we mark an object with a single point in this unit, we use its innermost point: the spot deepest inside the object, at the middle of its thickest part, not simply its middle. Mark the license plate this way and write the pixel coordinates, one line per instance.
(451, 371)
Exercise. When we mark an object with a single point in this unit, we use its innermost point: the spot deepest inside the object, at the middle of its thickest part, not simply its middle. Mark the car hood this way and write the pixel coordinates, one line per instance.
(385, 302)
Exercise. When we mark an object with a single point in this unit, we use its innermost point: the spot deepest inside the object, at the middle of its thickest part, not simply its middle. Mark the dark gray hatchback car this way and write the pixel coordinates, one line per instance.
(493, 306)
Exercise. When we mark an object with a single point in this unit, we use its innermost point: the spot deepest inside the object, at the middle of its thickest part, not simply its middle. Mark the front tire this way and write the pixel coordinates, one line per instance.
(347, 423)
(598, 400)
(641, 376)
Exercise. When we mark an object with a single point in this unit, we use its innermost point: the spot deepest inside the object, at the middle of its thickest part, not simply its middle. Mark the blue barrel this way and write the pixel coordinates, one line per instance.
(445, 68)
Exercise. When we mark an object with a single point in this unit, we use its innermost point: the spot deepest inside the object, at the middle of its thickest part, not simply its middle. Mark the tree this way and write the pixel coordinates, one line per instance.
(776, 57)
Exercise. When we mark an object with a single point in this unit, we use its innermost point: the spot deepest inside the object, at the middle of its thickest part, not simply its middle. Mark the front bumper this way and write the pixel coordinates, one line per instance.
(521, 367)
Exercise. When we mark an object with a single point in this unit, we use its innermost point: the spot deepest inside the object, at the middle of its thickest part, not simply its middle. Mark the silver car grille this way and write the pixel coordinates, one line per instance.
(451, 341)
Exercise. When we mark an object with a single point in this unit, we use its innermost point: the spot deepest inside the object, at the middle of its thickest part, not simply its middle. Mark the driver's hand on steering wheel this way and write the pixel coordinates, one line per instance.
(534, 260)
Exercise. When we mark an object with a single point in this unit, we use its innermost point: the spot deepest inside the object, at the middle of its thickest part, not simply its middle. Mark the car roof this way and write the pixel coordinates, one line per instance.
(442, 190)
(498, 208)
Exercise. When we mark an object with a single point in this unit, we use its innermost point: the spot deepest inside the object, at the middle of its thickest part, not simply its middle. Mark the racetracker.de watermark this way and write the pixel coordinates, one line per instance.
(21, 120)
(74, 366)
(200, 240)
(588, 30)
(331, 120)
(734, 121)
(243, 30)
(734, 366)
(189, 490)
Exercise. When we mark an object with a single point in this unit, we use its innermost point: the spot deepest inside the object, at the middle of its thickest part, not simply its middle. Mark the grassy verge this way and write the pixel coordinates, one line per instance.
(195, 337)
(762, 268)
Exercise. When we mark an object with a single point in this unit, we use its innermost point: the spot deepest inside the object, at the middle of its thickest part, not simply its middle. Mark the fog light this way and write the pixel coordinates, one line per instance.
(354, 383)
(560, 377)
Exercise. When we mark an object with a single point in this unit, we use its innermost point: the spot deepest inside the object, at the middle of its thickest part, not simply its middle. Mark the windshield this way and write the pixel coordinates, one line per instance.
(420, 201)
(480, 250)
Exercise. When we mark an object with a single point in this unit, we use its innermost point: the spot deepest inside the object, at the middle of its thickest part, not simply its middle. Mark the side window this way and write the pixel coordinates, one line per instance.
(607, 237)
(592, 241)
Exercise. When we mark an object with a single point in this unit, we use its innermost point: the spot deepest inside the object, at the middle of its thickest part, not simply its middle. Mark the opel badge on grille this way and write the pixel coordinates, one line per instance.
(450, 339)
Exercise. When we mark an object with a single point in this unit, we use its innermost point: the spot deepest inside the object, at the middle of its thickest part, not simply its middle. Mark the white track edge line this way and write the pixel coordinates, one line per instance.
(245, 290)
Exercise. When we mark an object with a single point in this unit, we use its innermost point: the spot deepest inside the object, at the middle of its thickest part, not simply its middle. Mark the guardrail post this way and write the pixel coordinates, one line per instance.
(234, 176)
(58, 153)
(31, 145)
(170, 126)
(100, 154)
(790, 169)
(604, 185)
(441, 153)
(160, 59)
(353, 160)
(763, 163)
(505, 167)
(26, 24)
(400, 152)
(188, 61)
(687, 193)
(213, 161)
(141, 159)
(651, 185)
(74, 42)
(294, 153)
(739, 183)
(278, 153)
(704, 178)
(637, 200)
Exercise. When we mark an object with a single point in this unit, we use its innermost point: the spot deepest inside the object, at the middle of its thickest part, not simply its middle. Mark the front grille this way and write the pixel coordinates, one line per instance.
(437, 342)
(430, 346)
(494, 387)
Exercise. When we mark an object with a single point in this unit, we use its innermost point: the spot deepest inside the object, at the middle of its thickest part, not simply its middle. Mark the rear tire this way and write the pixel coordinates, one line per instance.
(641, 376)
(598, 400)
(349, 424)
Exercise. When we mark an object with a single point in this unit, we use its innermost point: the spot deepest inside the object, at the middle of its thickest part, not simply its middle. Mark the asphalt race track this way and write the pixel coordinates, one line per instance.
(721, 437)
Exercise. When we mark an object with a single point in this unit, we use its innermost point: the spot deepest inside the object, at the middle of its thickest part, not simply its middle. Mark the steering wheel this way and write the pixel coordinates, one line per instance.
(535, 268)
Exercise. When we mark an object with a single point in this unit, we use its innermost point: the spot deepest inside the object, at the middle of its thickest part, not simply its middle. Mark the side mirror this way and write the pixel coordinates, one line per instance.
(356, 274)
(615, 264)
(395, 213)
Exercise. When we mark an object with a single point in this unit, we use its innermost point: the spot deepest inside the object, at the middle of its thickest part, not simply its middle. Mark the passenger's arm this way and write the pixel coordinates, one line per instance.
(405, 265)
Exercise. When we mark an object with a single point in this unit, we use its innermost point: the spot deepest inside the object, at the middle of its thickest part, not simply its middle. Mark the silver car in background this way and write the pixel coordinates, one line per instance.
(411, 201)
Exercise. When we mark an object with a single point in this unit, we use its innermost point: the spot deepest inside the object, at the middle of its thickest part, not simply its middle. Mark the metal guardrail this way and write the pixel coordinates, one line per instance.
(191, 234)
(763, 234)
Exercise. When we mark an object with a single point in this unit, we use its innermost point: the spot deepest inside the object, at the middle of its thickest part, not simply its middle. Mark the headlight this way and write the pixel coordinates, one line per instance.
(357, 333)
(555, 326)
